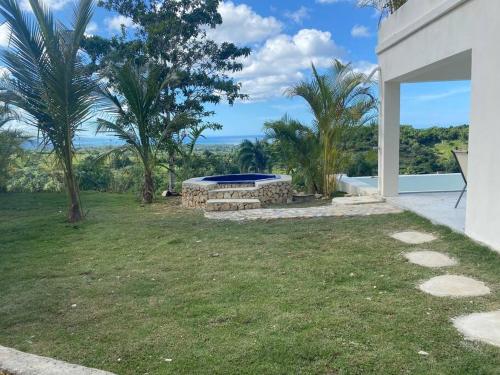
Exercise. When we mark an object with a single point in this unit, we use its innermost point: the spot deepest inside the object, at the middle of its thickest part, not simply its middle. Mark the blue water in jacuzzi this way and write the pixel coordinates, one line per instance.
(244, 178)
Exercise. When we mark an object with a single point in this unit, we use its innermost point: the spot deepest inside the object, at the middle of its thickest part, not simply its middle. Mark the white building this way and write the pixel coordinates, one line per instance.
(446, 40)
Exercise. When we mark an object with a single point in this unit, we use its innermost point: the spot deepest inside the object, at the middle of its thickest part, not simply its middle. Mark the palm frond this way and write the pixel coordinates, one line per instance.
(339, 100)
(47, 79)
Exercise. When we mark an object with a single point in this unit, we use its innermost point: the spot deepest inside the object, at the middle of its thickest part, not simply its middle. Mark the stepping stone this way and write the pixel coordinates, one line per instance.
(483, 327)
(431, 259)
(454, 286)
(363, 199)
(413, 237)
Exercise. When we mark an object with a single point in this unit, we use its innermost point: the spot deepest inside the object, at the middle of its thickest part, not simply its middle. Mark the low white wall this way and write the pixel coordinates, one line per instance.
(353, 186)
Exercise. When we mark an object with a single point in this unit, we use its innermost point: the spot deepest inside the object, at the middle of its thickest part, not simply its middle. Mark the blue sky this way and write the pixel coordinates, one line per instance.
(285, 36)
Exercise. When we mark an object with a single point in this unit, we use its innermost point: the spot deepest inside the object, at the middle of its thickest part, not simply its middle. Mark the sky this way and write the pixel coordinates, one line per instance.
(285, 37)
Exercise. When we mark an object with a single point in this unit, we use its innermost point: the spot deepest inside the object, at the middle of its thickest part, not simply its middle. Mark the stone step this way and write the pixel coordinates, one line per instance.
(232, 204)
(234, 193)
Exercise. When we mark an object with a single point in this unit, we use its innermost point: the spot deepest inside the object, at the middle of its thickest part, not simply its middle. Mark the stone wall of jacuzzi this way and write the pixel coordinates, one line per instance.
(195, 192)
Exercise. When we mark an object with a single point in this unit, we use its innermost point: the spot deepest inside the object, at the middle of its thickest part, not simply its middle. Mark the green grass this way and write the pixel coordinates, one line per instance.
(444, 149)
(317, 296)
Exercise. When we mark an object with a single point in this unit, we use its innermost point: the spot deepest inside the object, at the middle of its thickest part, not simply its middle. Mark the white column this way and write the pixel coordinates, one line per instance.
(483, 196)
(388, 139)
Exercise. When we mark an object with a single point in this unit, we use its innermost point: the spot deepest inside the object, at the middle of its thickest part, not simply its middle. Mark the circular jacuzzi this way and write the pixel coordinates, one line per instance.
(237, 191)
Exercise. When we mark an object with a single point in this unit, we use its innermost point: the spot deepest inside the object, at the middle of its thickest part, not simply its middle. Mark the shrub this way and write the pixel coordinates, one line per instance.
(33, 179)
(10, 151)
(92, 174)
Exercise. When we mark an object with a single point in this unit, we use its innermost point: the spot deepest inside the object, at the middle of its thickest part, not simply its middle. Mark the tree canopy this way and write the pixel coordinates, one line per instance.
(171, 37)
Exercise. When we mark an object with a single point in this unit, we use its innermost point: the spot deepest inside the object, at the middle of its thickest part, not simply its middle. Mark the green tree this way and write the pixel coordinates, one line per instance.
(135, 117)
(10, 150)
(93, 174)
(298, 149)
(48, 81)
(339, 100)
(172, 34)
(254, 156)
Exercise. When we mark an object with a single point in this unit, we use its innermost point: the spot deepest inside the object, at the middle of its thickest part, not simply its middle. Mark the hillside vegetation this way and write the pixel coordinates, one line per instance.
(422, 151)
(21, 170)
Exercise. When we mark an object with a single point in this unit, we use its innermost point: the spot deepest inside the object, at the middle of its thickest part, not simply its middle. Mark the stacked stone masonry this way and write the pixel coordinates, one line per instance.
(196, 193)
(232, 204)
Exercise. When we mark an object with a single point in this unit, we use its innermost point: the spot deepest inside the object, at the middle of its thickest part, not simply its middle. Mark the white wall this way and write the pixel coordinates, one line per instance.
(483, 197)
(432, 40)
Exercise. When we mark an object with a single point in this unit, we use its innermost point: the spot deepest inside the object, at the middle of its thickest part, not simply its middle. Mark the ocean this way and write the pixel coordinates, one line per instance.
(100, 142)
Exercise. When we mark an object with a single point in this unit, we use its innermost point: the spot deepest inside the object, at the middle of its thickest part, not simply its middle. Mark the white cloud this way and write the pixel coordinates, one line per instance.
(52, 4)
(91, 28)
(4, 71)
(4, 35)
(359, 3)
(115, 23)
(299, 15)
(443, 95)
(290, 107)
(366, 68)
(283, 60)
(360, 31)
(278, 60)
(241, 25)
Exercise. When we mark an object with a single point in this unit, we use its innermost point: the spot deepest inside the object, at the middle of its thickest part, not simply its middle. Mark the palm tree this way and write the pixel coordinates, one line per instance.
(136, 117)
(47, 80)
(254, 156)
(338, 100)
(383, 6)
(298, 148)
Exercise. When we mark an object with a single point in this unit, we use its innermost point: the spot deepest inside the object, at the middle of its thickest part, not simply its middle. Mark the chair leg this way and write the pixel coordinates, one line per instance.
(461, 195)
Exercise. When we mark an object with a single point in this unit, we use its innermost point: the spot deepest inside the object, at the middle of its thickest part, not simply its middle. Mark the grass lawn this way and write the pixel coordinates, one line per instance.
(133, 286)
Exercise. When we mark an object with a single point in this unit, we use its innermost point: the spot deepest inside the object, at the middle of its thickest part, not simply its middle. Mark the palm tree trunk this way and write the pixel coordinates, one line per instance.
(148, 188)
(326, 166)
(171, 173)
(75, 210)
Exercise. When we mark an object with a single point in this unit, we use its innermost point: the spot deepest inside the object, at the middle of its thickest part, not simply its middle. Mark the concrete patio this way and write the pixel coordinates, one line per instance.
(437, 207)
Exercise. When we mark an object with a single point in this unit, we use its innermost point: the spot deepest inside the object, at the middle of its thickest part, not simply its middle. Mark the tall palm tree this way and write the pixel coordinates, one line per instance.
(298, 148)
(47, 80)
(254, 156)
(338, 100)
(135, 109)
